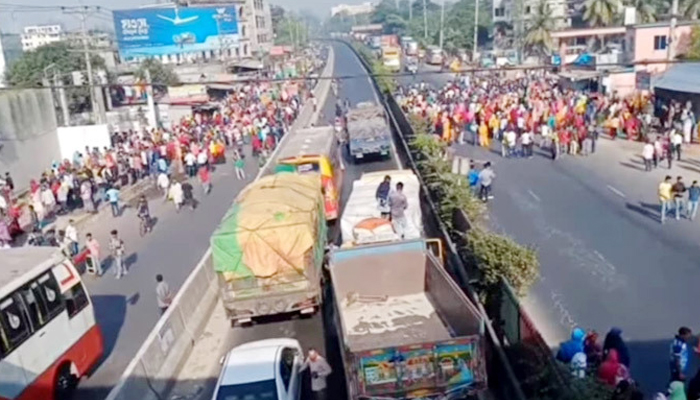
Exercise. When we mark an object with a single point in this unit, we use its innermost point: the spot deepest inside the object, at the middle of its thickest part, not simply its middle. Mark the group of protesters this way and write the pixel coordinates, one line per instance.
(610, 363)
(516, 112)
(256, 114)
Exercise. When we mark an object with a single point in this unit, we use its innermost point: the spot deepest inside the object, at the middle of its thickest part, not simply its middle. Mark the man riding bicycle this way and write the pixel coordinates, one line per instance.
(144, 213)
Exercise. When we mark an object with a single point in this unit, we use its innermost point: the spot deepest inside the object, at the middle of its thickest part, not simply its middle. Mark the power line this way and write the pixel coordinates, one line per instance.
(363, 76)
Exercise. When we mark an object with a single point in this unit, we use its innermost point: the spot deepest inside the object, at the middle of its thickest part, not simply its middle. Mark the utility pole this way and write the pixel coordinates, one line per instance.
(476, 30)
(671, 52)
(152, 113)
(83, 13)
(442, 23)
(410, 10)
(425, 20)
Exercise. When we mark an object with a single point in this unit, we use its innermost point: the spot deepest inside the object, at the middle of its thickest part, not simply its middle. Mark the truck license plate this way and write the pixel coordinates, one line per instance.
(360, 155)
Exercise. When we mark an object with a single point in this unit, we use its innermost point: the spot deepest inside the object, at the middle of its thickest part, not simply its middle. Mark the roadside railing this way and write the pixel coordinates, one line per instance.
(152, 372)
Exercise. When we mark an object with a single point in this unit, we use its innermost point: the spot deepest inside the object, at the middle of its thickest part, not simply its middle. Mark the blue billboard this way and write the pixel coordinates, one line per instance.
(165, 31)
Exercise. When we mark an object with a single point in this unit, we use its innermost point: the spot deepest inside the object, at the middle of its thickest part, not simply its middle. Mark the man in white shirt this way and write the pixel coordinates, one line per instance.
(190, 161)
(71, 233)
(648, 155)
(510, 139)
(164, 295)
(163, 184)
(202, 159)
(676, 141)
(526, 141)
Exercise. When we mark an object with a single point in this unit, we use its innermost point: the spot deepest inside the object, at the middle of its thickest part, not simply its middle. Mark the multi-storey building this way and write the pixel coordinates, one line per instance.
(40, 35)
(349, 10)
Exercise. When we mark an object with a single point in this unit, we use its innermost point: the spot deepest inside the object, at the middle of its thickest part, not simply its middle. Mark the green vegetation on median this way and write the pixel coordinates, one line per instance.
(496, 256)
(386, 83)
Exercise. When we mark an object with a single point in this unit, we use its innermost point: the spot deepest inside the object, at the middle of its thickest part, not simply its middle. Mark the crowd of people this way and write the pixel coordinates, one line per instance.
(610, 362)
(255, 114)
(515, 112)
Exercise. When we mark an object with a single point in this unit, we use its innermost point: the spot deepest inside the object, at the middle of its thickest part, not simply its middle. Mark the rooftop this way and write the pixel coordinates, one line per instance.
(309, 141)
(18, 261)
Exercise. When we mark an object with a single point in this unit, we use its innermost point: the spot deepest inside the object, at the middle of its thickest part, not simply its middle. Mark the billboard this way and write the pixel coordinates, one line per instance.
(164, 31)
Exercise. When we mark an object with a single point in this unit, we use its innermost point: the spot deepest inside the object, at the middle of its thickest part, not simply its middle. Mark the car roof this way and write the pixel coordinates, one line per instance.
(253, 362)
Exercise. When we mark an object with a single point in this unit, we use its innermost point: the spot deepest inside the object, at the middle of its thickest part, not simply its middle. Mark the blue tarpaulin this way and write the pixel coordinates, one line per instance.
(683, 77)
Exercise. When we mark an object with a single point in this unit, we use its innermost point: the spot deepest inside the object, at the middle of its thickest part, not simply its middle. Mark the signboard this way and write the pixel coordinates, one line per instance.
(165, 31)
(642, 80)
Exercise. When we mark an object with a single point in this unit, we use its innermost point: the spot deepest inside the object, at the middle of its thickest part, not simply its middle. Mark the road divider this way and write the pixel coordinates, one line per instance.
(151, 373)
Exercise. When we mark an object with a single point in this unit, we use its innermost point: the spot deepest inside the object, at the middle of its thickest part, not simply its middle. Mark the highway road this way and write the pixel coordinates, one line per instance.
(605, 259)
(317, 331)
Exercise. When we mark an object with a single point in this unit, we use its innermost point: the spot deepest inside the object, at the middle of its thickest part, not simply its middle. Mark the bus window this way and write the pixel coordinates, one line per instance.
(76, 299)
(34, 311)
(308, 168)
(50, 294)
(14, 323)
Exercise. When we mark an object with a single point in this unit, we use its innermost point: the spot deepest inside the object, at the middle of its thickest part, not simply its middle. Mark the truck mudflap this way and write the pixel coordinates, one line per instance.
(446, 370)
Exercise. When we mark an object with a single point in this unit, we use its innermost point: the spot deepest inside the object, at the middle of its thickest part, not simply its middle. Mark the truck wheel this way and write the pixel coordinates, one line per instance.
(65, 383)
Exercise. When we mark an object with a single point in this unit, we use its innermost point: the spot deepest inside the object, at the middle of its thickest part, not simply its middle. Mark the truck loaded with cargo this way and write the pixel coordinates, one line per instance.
(362, 222)
(405, 328)
(268, 250)
(368, 131)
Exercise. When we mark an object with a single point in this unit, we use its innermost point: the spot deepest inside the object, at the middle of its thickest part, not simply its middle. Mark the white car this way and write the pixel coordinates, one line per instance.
(261, 370)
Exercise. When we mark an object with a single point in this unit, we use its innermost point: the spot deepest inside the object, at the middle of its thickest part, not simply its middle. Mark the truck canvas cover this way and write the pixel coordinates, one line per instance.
(275, 227)
(362, 205)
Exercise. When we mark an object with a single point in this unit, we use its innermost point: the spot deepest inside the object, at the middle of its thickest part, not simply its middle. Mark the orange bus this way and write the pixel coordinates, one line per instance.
(316, 150)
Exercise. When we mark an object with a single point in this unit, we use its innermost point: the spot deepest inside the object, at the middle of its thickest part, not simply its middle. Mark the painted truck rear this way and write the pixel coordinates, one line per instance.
(405, 328)
(368, 131)
(268, 250)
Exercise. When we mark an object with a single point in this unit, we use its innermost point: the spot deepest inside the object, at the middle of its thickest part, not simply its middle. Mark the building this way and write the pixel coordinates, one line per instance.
(40, 35)
(350, 10)
(10, 50)
(504, 12)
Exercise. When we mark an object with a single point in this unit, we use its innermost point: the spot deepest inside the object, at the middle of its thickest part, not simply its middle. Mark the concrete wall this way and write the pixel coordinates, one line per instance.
(75, 138)
(27, 134)
(644, 46)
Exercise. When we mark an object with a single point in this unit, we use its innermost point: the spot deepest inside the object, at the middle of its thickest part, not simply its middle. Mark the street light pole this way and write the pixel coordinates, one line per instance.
(83, 13)
(442, 23)
(671, 52)
(476, 30)
(425, 20)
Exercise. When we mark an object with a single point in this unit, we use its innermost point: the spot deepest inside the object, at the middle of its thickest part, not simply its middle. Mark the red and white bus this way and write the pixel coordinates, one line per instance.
(48, 335)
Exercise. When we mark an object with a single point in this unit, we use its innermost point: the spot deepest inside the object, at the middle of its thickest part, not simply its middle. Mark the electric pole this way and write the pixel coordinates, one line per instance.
(83, 13)
(442, 23)
(410, 10)
(671, 53)
(425, 20)
(476, 30)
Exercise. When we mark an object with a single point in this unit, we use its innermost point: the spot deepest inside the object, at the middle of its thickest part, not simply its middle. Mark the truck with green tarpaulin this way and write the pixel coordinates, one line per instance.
(269, 248)
(406, 330)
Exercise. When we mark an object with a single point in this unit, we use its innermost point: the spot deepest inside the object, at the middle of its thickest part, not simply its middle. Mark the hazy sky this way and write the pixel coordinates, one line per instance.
(12, 19)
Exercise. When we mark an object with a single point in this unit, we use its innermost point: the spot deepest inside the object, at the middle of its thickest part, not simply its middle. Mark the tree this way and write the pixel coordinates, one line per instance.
(646, 11)
(539, 33)
(690, 8)
(161, 75)
(693, 52)
(600, 12)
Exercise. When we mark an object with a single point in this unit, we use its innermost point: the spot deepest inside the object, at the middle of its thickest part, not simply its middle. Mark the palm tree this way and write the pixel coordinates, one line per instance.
(646, 12)
(690, 8)
(539, 32)
(600, 12)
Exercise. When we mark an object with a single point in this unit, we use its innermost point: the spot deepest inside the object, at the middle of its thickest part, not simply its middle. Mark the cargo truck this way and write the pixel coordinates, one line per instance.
(362, 222)
(368, 131)
(268, 250)
(406, 330)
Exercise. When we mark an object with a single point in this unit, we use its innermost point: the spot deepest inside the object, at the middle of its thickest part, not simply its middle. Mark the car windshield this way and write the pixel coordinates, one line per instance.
(263, 390)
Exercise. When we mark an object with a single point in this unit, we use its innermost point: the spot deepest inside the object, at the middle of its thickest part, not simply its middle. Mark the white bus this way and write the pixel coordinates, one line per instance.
(434, 56)
(48, 335)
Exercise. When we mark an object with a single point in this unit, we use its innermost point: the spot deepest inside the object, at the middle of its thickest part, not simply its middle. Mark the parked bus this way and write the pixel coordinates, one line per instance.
(316, 150)
(48, 335)
(434, 56)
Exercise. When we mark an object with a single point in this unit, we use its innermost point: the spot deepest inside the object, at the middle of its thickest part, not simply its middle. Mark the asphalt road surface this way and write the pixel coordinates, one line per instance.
(605, 259)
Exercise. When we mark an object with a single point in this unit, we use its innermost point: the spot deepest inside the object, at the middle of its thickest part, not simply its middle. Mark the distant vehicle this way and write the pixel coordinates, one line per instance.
(49, 338)
(375, 42)
(411, 48)
(411, 65)
(368, 131)
(391, 58)
(261, 370)
(434, 56)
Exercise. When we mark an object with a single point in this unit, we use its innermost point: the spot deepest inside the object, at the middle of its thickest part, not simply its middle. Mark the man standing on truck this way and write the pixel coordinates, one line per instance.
(397, 206)
(382, 197)
(319, 370)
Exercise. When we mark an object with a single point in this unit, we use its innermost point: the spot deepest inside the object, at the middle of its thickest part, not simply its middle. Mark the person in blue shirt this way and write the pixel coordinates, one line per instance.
(693, 199)
(473, 177)
(679, 354)
(113, 198)
(568, 349)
